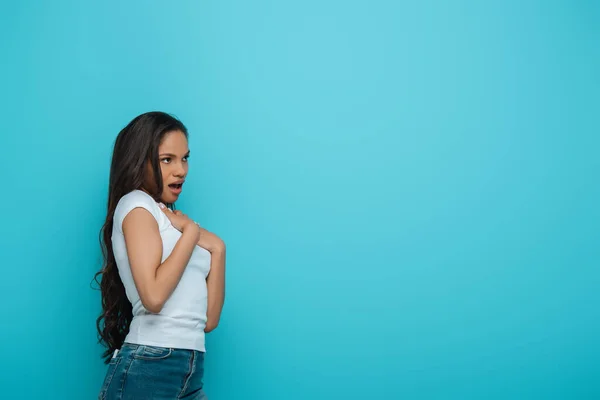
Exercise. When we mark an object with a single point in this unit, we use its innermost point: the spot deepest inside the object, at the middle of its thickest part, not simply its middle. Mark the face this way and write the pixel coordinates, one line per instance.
(173, 154)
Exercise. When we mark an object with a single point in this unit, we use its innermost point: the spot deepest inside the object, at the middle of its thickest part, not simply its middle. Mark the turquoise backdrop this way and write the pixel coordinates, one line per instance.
(408, 190)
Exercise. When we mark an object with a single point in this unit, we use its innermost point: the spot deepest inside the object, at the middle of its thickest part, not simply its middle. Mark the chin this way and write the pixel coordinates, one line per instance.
(169, 198)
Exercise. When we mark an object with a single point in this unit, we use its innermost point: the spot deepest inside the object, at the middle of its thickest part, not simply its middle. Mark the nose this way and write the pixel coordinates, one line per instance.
(180, 171)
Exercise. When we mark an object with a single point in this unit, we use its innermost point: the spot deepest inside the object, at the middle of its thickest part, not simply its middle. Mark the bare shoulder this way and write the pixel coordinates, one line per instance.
(136, 206)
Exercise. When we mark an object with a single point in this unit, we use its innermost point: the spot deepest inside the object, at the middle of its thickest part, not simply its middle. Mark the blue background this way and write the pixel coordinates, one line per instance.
(408, 190)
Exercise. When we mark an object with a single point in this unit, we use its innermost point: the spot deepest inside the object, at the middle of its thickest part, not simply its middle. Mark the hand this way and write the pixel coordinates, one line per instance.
(179, 220)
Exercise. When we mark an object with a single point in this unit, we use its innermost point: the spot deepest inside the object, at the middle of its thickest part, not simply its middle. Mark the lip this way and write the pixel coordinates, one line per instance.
(176, 191)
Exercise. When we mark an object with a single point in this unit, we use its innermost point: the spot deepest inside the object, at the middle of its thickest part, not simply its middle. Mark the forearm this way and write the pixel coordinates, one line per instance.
(215, 284)
(169, 273)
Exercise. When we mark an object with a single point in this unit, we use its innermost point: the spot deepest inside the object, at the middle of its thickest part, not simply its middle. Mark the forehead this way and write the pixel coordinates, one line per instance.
(173, 142)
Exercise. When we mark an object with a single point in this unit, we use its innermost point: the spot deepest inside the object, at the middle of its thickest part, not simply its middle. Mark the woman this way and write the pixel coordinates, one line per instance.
(163, 279)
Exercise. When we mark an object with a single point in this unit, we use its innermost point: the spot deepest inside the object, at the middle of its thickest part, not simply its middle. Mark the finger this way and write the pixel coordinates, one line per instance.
(164, 208)
(177, 212)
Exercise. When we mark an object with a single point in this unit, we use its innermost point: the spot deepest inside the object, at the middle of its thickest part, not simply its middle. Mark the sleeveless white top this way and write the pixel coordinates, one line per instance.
(181, 322)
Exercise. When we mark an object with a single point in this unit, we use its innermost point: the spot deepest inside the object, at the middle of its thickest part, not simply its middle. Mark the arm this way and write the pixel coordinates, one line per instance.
(154, 281)
(215, 282)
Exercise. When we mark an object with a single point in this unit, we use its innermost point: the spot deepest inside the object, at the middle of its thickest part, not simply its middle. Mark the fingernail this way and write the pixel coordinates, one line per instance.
(161, 205)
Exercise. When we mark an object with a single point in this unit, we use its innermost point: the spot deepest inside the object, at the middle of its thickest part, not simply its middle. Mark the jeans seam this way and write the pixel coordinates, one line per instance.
(189, 374)
(114, 365)
(131, 358)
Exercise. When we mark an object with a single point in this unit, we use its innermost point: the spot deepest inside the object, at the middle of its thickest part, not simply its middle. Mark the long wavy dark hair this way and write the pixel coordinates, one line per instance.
(135, 146)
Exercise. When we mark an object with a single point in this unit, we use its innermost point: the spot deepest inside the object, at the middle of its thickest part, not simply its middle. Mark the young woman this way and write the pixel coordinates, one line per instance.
(163, 279)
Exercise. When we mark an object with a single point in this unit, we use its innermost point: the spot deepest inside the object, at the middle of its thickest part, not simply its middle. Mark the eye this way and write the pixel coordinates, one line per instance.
(166, 160)
(186, 158)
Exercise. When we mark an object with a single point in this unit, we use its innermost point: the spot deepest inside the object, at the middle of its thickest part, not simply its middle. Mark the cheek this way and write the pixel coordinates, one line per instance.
(164, 169)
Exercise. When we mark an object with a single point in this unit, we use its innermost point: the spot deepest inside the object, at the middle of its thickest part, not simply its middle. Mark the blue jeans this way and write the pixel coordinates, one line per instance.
(139, 372)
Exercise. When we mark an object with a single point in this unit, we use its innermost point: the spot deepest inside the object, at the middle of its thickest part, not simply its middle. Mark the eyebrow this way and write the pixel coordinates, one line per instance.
(172, 155)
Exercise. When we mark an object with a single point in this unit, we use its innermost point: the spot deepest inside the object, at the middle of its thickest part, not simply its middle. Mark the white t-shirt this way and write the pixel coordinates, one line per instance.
(181, 322)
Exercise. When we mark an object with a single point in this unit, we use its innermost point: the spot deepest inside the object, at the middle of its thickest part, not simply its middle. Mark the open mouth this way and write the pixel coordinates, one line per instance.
(176, 186)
